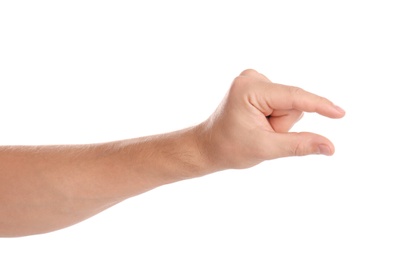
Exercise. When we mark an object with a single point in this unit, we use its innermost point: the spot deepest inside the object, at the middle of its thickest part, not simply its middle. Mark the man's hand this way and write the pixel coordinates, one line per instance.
(253, 121)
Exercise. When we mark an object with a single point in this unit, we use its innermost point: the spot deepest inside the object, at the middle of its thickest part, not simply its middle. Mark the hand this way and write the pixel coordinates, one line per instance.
(252, 123)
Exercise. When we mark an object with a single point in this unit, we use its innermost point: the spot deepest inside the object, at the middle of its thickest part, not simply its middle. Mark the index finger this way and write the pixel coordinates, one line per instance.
(279, 97)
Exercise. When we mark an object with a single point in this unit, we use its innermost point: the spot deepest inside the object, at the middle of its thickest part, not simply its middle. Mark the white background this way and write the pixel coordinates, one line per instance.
(93, 71)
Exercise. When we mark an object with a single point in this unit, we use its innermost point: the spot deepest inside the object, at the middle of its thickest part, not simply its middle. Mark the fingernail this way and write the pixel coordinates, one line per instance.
(324, 149)
(339, 109)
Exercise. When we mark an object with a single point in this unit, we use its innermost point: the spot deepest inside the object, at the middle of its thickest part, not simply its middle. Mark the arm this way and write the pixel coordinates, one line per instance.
(45, 188)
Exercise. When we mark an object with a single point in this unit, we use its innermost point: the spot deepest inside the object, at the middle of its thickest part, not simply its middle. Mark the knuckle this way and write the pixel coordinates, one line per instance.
(249, 72)
(241, 82)
(300, 149)
(295, 91)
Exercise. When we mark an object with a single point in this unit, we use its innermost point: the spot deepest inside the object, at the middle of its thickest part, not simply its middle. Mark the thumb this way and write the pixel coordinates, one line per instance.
(299, 144)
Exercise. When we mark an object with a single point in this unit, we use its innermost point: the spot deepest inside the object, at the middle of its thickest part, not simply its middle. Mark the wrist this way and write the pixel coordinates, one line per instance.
(211, 154)
(171, 157)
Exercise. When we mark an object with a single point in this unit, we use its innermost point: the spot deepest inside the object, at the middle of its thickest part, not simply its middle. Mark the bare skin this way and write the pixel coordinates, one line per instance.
(47, 188)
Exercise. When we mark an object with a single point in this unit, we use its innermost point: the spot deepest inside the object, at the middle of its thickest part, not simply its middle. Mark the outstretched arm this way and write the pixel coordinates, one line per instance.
(46, 188)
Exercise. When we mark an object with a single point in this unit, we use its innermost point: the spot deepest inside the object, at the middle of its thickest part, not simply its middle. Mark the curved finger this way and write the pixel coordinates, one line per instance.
(284, 122)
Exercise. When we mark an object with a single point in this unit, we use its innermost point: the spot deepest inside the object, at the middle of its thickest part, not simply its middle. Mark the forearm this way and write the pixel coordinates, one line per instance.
(50, 187)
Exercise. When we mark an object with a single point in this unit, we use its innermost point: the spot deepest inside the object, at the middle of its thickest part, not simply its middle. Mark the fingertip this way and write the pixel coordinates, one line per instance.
(325, 150)
(332, 111)
(339, 110)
